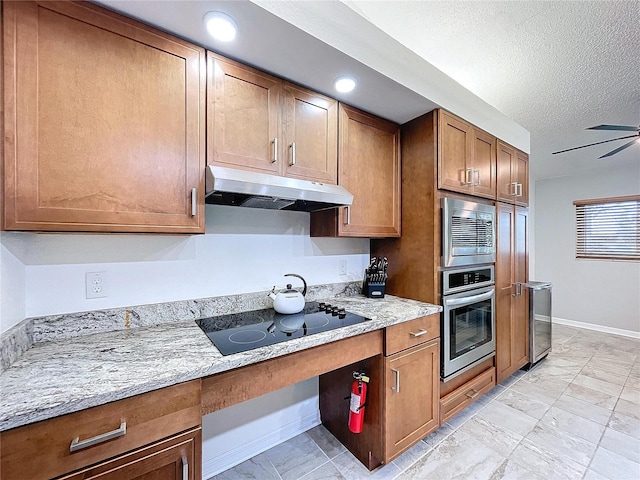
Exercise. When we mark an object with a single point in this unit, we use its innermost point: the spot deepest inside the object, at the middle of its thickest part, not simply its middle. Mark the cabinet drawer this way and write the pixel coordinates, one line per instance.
(42, 450)
(466, 394)
(408, 334)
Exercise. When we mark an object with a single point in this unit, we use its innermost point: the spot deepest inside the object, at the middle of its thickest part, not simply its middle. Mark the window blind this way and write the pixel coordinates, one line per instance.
(608, 228)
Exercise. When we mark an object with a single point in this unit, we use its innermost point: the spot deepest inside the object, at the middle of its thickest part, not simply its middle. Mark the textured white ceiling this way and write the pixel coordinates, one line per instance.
(555, 67)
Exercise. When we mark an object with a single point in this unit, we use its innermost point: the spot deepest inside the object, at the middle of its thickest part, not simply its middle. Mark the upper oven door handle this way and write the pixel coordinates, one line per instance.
(456, 302)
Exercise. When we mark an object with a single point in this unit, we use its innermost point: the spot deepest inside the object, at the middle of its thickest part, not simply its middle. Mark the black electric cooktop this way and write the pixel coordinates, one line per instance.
(238, 332)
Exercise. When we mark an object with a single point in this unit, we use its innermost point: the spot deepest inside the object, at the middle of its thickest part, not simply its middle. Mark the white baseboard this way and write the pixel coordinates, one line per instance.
(597, 328)
(256, 446)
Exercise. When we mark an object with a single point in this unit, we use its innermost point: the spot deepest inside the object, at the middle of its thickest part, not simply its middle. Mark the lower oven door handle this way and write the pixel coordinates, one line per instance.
(456, 302)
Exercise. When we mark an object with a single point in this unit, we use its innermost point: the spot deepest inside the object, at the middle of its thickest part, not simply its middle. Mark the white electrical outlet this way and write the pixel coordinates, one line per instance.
(96, 284)
(342, 267)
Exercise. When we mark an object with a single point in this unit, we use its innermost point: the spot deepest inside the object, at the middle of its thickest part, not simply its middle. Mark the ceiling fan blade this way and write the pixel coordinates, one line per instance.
(619, 149)
(597, 143)
(624, 128)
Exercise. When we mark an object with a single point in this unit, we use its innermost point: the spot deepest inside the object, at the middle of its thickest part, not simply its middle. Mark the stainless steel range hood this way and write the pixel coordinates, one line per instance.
(230, 186)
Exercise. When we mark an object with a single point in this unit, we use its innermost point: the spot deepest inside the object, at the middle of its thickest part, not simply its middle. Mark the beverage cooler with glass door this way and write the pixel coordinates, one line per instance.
(539, 320)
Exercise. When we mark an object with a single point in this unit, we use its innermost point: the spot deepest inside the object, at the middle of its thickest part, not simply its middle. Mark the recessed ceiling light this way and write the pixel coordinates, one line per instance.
(345, 84)
(220, 26)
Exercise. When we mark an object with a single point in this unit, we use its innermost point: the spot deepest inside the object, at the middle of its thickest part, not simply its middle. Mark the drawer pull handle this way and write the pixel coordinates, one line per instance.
(472, 393)
(397, 374)
(418, 333)
(185, 468)
(76, 444)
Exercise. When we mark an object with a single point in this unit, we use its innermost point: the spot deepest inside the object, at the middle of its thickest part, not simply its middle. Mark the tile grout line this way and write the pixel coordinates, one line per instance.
(608, 421)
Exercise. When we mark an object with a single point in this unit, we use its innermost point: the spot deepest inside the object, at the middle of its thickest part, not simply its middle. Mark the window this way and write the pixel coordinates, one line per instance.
(608, 228)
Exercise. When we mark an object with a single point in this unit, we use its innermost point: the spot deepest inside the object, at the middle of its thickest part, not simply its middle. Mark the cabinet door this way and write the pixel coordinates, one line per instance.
(104, 123)
(412, 381)
(243, 116)
(520, 306)
(177, 458)
(506, 182)
(310, 135)
(512, 326)
(522, 177)
(455, 141)
(484, 164)
(505, 278)
(369, 168)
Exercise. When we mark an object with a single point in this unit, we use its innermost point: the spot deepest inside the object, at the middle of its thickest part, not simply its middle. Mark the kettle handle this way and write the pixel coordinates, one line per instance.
(304, 291)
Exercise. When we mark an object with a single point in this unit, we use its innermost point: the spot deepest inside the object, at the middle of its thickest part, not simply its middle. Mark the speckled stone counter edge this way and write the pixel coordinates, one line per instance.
(18, 339)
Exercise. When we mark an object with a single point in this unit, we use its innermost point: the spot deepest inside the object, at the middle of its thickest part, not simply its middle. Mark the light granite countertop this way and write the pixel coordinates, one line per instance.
(67, 375)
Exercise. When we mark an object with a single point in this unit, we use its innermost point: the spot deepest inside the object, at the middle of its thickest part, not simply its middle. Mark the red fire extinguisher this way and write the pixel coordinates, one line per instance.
(358, 400)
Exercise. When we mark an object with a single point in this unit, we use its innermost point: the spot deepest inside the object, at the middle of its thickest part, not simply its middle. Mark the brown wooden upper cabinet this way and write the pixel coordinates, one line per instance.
(262, 123)
(513, 175)
(104, 122)
(369, 168)
(466, 157)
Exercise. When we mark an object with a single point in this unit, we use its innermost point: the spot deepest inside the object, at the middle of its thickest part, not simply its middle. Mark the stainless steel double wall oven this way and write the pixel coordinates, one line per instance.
(468, 285)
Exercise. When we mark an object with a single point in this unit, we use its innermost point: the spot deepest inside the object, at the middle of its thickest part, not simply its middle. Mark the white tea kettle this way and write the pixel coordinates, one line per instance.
(289, 301)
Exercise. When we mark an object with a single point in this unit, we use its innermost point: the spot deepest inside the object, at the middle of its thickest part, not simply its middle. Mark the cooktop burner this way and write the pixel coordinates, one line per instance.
(238, 332)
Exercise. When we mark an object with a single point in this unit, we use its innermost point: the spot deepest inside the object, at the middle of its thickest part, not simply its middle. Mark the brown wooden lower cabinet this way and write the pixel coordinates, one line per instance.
(129, 438)
(401, 407)
(467, 393)
(411, 396)
(176, 458)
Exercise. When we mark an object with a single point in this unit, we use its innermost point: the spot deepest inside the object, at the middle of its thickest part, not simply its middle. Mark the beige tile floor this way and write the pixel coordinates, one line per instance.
(575, 415)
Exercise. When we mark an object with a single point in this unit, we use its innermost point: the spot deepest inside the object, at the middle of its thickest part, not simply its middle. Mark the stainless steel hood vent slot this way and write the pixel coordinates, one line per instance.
(230, 186)
(267, 202)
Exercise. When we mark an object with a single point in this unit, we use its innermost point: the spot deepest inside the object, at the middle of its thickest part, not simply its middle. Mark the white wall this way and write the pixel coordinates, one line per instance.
(244, 250)
(597, 292)
(12, 289)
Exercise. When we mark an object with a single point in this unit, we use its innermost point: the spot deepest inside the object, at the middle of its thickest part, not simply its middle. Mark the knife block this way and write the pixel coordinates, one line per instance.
(372, 290)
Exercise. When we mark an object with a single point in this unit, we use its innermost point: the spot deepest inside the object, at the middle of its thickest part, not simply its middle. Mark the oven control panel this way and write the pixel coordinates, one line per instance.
(462, 279)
